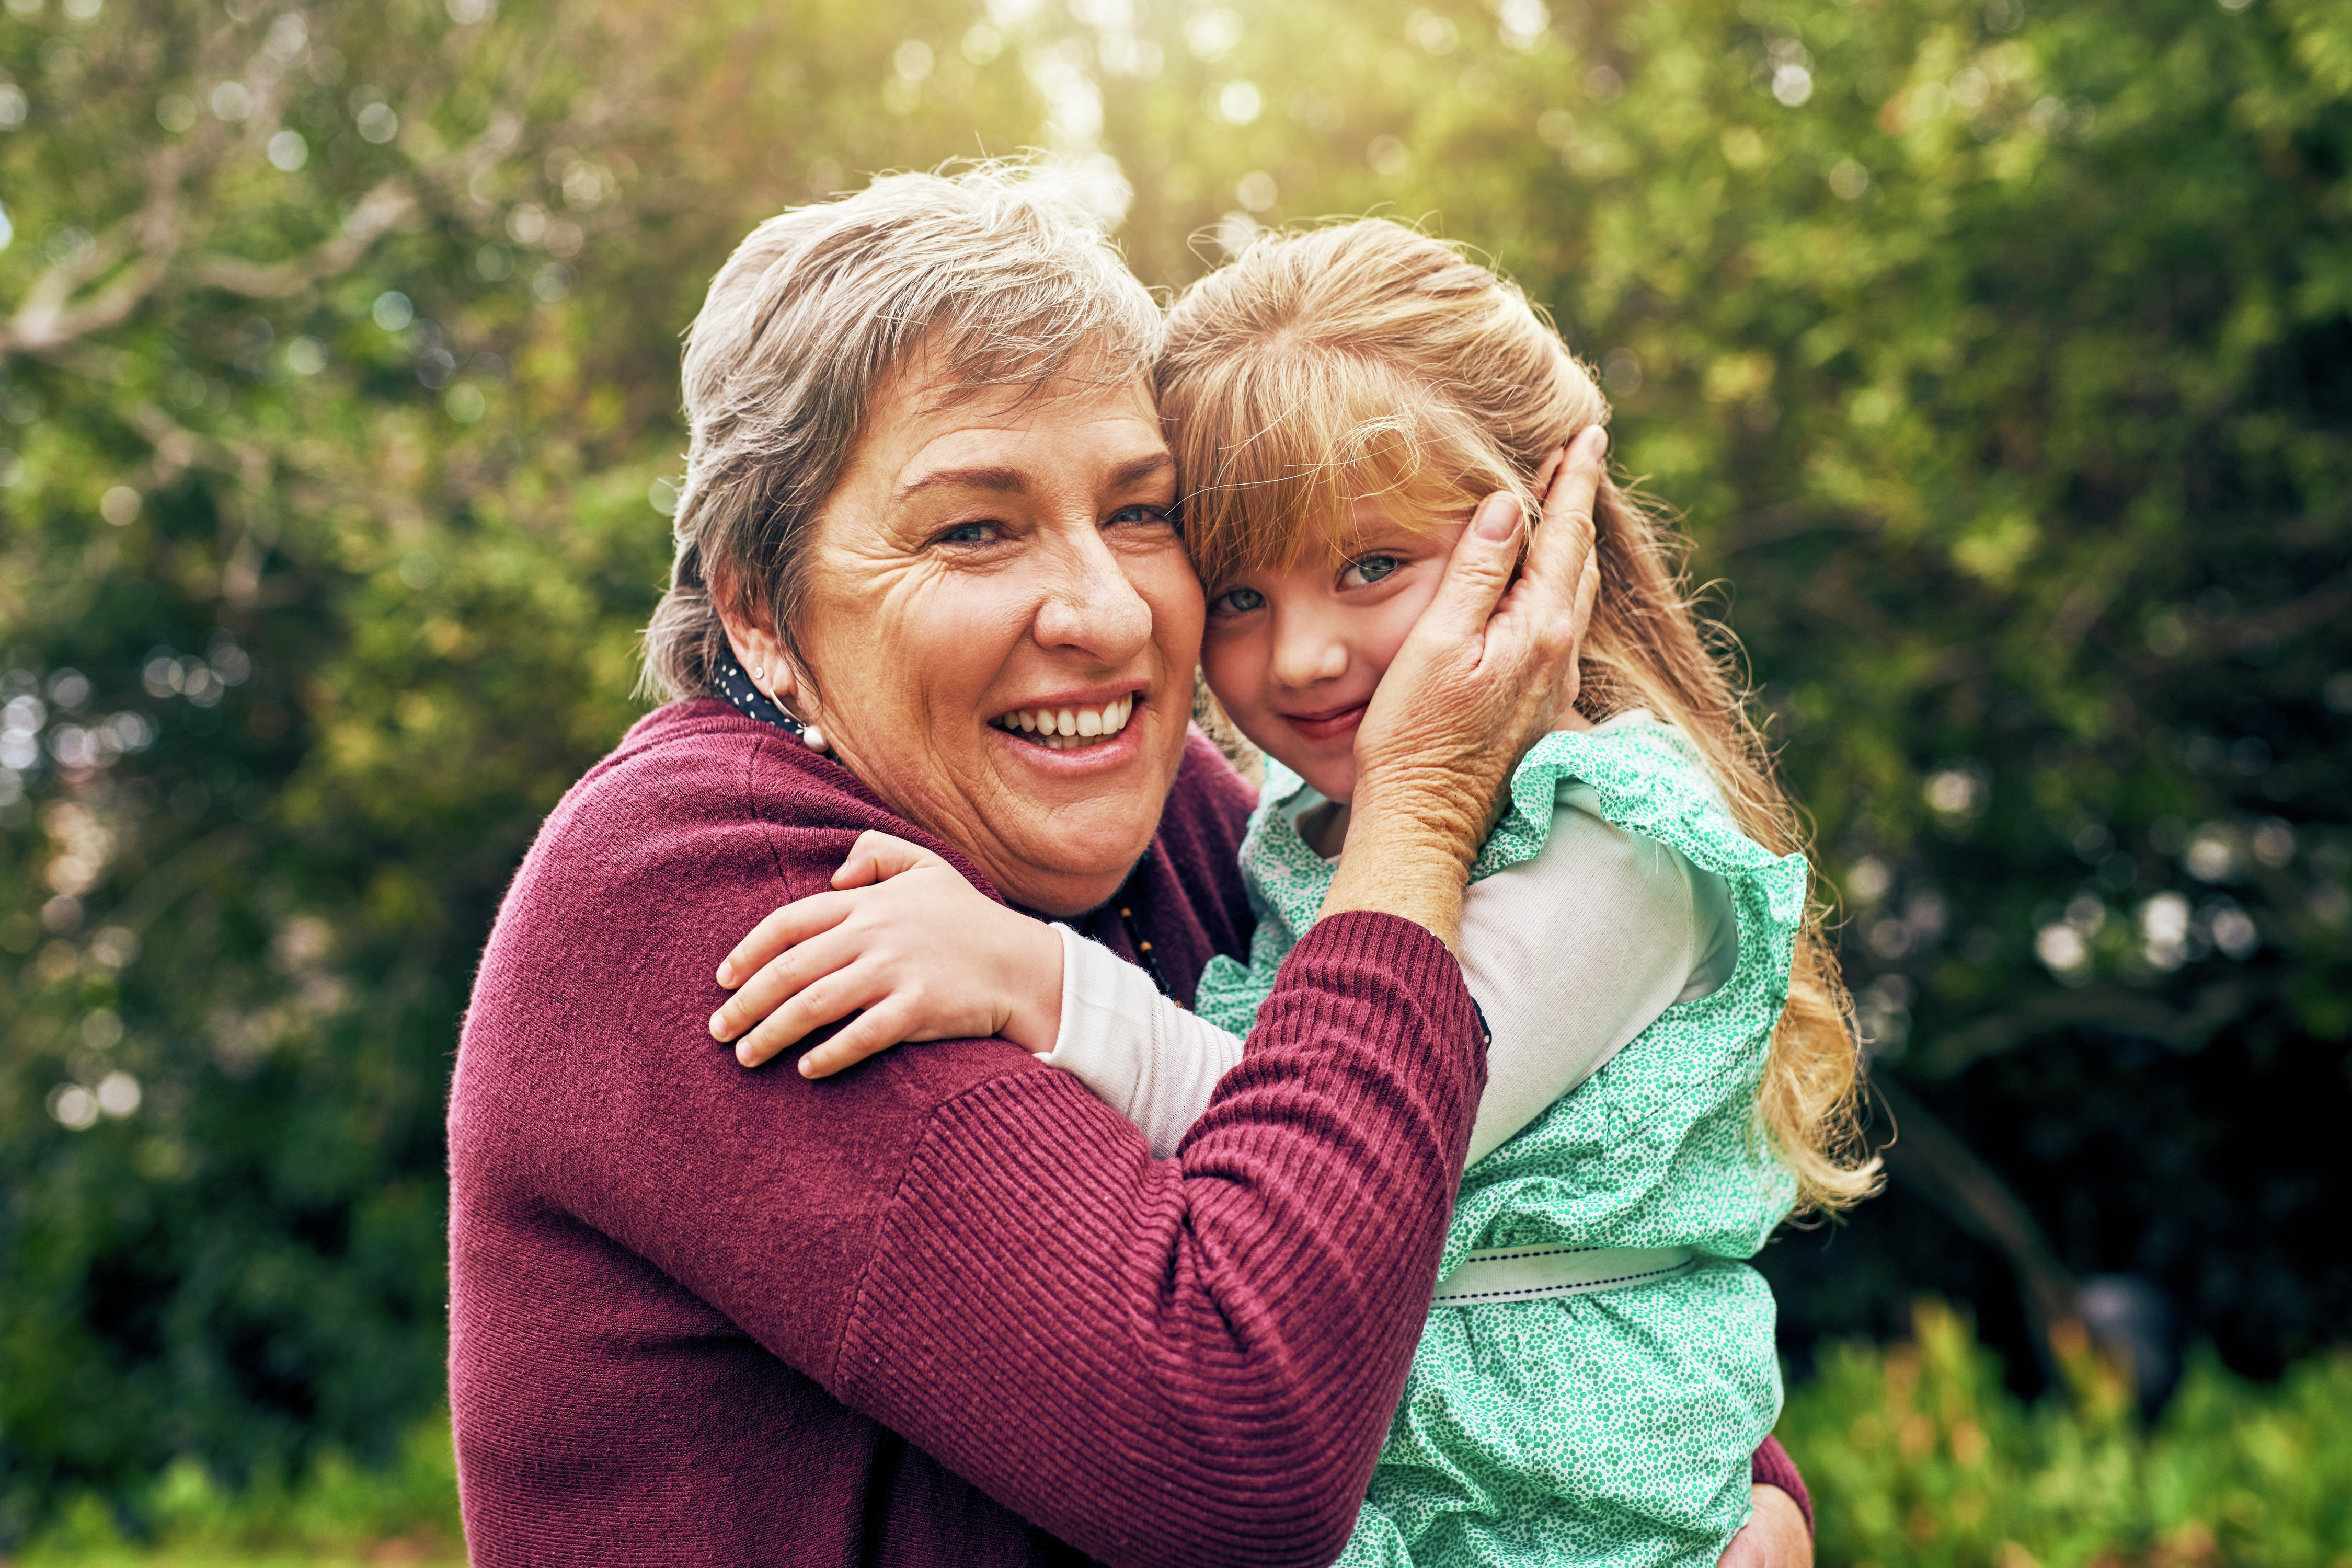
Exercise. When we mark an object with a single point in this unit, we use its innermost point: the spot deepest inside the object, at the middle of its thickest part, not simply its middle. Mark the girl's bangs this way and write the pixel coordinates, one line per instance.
(1275, 455)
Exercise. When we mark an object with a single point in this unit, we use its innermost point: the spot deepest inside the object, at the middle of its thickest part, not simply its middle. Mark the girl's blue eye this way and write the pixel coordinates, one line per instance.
(1366, 570)
(1238, 601)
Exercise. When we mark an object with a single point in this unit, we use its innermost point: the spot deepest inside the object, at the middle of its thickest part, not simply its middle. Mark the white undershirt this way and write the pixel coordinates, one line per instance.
(1569, 956)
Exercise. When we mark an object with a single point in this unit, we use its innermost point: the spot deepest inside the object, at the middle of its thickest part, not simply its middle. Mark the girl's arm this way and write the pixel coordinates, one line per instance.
(1141, 1054)
(1573, 953)
(918, 952)
(1570, 955)
(903, 943)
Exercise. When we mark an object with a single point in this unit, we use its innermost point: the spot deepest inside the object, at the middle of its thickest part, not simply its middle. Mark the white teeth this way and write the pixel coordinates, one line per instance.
(1059, 729)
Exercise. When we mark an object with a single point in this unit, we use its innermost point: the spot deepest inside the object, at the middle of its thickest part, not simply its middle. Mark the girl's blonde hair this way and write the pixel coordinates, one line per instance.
(1369, 360)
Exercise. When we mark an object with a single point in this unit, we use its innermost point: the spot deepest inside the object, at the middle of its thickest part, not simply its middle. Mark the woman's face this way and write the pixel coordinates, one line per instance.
(1000, 558)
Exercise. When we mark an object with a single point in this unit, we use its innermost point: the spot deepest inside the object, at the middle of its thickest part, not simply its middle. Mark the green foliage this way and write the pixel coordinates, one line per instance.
(1998, 358)
(1917, 1455)
(328, 534)
(405, 1510)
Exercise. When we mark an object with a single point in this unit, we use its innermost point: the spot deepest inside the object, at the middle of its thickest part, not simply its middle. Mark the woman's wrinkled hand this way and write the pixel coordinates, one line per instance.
(909, 945)
(1486, 673)
(1493, 660)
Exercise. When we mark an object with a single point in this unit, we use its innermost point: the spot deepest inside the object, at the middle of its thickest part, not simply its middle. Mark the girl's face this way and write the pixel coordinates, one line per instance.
(1294, 655)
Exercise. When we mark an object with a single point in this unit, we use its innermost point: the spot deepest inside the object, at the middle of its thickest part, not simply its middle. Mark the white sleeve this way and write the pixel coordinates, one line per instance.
(1146, 1058)
(1569, 956)
(1572, 954)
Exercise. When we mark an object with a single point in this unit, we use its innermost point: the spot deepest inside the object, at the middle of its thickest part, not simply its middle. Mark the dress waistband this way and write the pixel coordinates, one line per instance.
(1530, 1273)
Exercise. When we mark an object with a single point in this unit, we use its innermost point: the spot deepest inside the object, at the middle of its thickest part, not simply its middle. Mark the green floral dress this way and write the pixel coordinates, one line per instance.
(1612, 1427)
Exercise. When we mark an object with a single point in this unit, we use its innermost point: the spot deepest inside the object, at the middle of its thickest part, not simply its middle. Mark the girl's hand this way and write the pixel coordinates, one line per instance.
(905, 938)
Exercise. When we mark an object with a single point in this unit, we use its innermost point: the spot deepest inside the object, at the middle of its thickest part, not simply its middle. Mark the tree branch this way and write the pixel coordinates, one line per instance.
(389, 202)
(1937, 1164)
(2127, 1012)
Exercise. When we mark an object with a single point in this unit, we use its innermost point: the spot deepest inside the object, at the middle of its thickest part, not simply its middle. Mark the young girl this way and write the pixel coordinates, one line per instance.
(1598, 1365)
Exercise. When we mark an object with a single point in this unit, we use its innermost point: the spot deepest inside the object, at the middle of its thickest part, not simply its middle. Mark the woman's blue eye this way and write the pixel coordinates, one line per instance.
(1370, 568)
(1238, 601)
(1140, 514)
(965, 534)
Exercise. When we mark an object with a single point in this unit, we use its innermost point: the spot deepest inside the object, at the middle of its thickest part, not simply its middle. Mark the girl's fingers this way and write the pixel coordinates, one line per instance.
(827, 999)
(870, 1033)
(779, 979)
(788, 927)
(878, 857)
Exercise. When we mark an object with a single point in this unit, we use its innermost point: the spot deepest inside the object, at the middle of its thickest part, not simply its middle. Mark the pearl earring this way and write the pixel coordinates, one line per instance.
(760, 674)
(814, 736)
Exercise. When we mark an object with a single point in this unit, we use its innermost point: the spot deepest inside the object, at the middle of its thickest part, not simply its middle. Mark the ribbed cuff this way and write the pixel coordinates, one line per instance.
(1390, 942)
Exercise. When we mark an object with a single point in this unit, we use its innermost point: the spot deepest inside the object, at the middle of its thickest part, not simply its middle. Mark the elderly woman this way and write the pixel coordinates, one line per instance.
(946, 1309)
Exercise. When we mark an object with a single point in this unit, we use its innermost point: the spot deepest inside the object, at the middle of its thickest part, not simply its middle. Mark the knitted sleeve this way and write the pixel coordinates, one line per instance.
(1191, 1360)
(1155, 1361)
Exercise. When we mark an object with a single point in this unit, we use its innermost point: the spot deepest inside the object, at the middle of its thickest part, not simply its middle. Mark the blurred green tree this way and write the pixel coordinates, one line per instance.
(1999, 362)
(339, 376)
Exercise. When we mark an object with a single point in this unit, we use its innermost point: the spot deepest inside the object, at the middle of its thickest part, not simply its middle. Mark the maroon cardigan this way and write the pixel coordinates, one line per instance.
(943, 1308)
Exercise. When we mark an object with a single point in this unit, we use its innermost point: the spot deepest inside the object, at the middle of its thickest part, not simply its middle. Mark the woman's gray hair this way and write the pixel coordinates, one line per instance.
(998, 273)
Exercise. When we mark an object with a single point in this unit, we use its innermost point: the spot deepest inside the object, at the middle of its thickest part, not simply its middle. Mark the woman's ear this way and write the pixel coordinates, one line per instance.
(754, 643)
(762, 656)
(771, 670)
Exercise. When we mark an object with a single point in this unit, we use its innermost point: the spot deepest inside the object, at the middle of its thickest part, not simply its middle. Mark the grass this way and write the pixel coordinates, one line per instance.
(1919, 1458)
(1916, 1455)
(338, 1515)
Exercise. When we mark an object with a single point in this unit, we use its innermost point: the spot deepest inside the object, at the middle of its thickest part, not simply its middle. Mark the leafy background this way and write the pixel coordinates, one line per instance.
(1999, 357)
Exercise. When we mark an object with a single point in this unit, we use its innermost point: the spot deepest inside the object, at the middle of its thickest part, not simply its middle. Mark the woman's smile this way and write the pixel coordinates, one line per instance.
(1081, 722)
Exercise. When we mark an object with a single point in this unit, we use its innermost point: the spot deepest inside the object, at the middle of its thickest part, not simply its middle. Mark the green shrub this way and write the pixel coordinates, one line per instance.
(404, 1512)
(1916, 1455)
